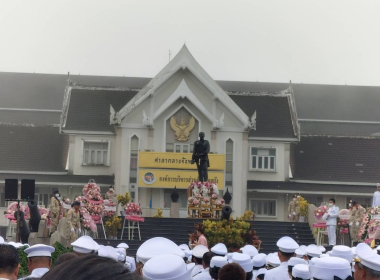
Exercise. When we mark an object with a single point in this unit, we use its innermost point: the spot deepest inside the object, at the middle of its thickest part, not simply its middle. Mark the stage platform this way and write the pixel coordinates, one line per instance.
(178, 230)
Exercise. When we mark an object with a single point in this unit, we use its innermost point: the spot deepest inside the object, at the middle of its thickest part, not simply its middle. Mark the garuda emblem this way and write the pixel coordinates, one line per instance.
(182, 131)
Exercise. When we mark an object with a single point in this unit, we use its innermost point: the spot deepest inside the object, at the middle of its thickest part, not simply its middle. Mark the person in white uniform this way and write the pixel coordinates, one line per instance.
(198, 253)
(367, 263)
(330, 268)
(39, 260)
(204, 273)
(331, 221)
(376, 197)
(286, 250)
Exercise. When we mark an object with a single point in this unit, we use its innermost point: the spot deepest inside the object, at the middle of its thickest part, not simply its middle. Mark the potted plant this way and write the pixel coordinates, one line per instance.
(123, 200)
(111, 227)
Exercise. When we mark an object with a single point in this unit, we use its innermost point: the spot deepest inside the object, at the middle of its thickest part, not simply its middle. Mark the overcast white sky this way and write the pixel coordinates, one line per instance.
(328, 42)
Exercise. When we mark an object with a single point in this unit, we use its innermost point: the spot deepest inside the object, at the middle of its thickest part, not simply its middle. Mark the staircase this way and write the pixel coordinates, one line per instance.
(178, 231)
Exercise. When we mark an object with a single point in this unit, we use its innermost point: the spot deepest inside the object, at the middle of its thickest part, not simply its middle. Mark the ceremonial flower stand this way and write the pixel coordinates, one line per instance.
(321, 232)
(133, 223)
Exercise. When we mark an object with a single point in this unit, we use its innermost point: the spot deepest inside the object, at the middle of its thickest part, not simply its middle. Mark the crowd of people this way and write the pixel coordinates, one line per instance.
(161, 259)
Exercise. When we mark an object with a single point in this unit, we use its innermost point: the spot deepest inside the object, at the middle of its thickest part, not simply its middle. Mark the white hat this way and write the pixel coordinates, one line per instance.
(294, 261)
(301, 271)
(39, 250)
(324, 255)
(2, 240)
(323, 249)
(199, 251)
(259, 260)
(327, 268)
(85, 245)
(300, 252)
(121, 254)
(378, 248)
(250, 250)
(158, 246)
(367, 257)
(313, 251)
(167, 267)
(123, 245)
(287, 244)
(108, 252)
(184, 247)
(189, 254)
(219, 249)
(218, 262)
(261, 271)
(273, 260)
(244, 260)
(230, 255)
(343, 252)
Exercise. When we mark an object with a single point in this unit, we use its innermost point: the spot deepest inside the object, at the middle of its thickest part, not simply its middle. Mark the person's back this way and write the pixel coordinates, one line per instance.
(9, 262)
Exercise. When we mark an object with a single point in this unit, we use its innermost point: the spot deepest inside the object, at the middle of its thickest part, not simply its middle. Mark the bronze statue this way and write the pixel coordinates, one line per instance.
(200, 157)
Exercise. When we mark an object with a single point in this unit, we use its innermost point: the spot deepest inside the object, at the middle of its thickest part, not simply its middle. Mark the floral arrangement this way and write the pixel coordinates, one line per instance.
(95, 209)
(86, 220)
(200, 185)
(195, 202)
(219, 202)
(343, 222)
(159, 214)
(94, 199)
(374, 229)
(132, 209)
(44, 213)
(374, 210)
(81, 199)
(94, 194)
(124, 199)
(12, 208)
(109, 213)
(198, 196)
(190, 199)
(303, 205)
(112, 225)
(66, 200)
(206, 199)
(319, 212)
(363, 228)
(214, 196)
(90, 186)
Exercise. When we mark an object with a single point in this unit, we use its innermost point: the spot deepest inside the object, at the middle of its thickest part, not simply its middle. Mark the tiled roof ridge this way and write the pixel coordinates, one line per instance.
(248, 93)
(74, 85)
(27, 124)
(340, 136)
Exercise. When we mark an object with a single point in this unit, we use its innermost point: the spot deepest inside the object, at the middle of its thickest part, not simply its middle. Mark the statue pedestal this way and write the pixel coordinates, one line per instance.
(174, 210)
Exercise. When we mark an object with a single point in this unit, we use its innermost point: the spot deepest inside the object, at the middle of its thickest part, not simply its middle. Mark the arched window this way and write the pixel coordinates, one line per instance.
(229, 162)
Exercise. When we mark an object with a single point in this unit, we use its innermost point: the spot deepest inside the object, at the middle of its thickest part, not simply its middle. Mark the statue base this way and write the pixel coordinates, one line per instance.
(174, 210)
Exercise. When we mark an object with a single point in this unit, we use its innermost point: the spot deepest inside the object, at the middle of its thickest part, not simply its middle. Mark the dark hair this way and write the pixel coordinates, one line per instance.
(286, 255)
(90, 267)
(290, 269)
(260, 276)
(354, 202)
(75, 203)
(232, 271)
(332, 199)
(65, 257)
(201, 230)
(249, 276)
(9, 259)
(56, 191)
(197, 260)
(214, 271)
(257, 268)
(207, 258)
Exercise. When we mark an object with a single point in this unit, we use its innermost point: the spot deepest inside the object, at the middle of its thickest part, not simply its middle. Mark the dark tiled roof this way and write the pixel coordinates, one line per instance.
(341, 159)
(273, 117)
(27, 148)
(338, 129)
(64, 179)
(30, 117)
(303, 187)
(89, 110)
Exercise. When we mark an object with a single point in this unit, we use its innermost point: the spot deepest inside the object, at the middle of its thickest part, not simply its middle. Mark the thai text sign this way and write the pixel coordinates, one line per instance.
(177, 161)
(160, 178)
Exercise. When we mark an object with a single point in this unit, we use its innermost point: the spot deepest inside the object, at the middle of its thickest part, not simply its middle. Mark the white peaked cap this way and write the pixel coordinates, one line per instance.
(327, 268)
(300, 252)
(324, 255)
(273, 260)
(313, 251)
(108, 252)
(230, 255)
(219, 249)
(199, 251)
(259, 260)
(343, 252)
(85, 244)
(294, 261)
(184, 247)
(39, 250)
(218, 261)
(189, 254)
(250, 250)
(323, 249)
(244, 261)
(158, 246)
(287, 244)
(123, 245)
(261, 271)
(158, 268)
(367, 257)
(301, 271)
(2, 240)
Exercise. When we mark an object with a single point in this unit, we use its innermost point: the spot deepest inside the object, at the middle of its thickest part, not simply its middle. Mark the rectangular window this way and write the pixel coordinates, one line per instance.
(95, 152)
(264, 207)
(179, 148)
(263, 159)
